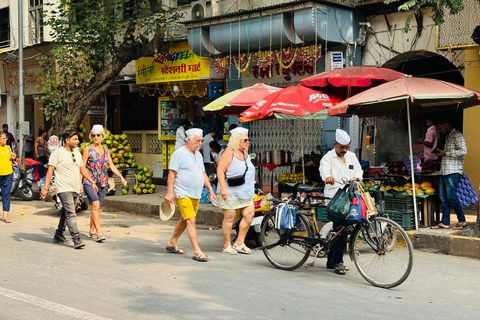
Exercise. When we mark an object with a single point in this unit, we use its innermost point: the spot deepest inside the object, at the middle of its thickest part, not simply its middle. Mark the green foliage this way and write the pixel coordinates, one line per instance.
(89, 38)
(439, 8)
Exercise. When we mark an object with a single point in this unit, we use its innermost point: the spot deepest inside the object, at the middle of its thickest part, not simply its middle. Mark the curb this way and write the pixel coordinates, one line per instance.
(446, 243)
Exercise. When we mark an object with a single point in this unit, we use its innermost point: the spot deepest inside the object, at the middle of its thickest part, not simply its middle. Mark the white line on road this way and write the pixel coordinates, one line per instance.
(46, 304)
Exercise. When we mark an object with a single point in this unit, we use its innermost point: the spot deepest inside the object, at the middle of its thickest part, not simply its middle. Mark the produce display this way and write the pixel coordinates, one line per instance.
(407, 190)
(291, 178)
(397, 167)
(144, 183)
(430, 166)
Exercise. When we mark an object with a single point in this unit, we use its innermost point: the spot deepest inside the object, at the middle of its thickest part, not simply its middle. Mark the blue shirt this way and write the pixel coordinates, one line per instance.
(189, 179)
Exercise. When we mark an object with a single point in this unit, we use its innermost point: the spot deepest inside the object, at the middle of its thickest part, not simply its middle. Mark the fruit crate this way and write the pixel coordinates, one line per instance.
(322, 214)
(404, 218)
(397, 204)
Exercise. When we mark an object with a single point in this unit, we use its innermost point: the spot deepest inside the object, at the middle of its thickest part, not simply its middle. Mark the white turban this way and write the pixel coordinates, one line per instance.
(97, 128)
(342, 137)
(239, 130)
(194, 132)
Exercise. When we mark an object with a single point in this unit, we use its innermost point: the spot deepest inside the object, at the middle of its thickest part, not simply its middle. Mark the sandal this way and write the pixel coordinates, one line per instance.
(100, 238)
(242, 249)
(229, 250)
(460, 226)
(93, 236)
(174, 249)
(200, 256)
(440, 226)
(333, 267)
(7, 220)
(340, 269)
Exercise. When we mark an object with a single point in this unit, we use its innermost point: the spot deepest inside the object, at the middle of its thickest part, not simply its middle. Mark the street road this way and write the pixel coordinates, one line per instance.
(130, 276)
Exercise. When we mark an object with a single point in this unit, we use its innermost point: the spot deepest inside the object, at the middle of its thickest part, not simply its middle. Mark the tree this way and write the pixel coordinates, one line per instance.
(439, 7)
(93, 41)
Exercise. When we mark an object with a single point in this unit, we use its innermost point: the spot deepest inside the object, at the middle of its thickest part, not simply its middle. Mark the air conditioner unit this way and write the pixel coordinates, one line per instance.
(201, 9)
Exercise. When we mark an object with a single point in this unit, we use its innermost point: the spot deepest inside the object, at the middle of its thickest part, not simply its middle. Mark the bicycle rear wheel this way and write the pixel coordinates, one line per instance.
(382, 252)
(289, 254)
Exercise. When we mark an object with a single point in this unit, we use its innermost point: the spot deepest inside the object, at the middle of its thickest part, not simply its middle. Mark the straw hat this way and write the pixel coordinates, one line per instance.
(166, 210)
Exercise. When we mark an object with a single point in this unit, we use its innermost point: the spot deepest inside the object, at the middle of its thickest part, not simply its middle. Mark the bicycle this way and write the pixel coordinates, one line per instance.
(380, 249)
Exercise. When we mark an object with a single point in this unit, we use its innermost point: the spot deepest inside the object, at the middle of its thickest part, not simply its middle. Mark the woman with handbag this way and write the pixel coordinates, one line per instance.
(96, 158)
(6, 174)
(236, 189)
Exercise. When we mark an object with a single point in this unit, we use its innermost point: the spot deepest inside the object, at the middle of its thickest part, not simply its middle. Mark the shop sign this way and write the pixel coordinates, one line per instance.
(97, 110)
(337, 60)
(179, 64)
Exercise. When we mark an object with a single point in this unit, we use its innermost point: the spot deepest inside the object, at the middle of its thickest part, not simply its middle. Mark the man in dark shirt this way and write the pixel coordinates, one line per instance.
(10, 139)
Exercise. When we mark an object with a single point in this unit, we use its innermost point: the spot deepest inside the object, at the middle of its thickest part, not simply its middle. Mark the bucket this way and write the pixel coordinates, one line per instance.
(278, 157)
(268, 157)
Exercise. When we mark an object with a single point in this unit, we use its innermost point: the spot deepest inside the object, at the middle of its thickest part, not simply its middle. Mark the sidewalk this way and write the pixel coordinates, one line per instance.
(446, 241)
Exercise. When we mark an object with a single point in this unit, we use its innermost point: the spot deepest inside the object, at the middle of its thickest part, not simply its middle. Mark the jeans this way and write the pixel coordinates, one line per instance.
(68, 217)
(6, 186)
(448, 196)
(337, 248)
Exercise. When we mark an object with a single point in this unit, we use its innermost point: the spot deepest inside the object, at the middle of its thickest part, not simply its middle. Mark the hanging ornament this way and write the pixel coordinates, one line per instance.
(310, 54)
(244, 62)
(264, 59)
(221, 65)
(288, 57)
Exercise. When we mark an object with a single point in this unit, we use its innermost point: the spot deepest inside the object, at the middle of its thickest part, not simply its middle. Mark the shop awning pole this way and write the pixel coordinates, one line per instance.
(412, 172)
(303, 155)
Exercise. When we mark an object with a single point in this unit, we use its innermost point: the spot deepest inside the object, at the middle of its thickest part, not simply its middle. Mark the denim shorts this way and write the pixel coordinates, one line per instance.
(92, 196)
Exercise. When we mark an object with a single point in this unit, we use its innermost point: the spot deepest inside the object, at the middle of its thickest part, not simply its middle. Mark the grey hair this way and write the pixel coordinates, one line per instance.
(191, 137)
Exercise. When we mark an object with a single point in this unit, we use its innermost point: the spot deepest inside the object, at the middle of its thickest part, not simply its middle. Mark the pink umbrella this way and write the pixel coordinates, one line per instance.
(352, 80)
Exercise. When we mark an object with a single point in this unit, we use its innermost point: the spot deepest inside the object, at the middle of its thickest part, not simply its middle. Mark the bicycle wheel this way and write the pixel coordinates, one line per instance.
(382, 252)
(289, 254)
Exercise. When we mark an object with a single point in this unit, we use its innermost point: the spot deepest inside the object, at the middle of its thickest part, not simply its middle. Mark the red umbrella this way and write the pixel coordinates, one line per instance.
(351, 79)
(290, 103)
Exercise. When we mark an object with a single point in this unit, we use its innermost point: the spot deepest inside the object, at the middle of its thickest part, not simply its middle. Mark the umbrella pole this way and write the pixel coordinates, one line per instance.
(415, 214)
(303, 155)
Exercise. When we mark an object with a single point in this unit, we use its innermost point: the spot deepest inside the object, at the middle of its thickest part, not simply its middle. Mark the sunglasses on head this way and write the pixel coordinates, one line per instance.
(73, 158)
(94, 135)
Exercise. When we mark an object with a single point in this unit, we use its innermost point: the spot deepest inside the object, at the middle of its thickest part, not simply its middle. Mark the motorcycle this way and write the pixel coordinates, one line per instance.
(82, 202)
(22, 184)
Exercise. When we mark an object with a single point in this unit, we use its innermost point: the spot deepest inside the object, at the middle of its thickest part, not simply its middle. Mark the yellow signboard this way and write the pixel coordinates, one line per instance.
(179, 64)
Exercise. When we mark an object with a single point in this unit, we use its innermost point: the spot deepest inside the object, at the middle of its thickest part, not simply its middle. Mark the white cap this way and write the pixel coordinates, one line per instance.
(97, 128)
(194, 132)
(239, 130)
(342, 137)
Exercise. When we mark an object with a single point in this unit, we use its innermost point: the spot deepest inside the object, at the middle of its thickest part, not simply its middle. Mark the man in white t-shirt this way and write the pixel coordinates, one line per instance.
(186, 178)
(181, 137)
(68, 165)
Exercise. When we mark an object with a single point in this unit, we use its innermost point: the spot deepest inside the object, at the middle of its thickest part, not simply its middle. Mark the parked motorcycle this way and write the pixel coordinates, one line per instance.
(82, 203)
(22, 184)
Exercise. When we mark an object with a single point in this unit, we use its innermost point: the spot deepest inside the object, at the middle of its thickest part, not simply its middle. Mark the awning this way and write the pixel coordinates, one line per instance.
(290, 26)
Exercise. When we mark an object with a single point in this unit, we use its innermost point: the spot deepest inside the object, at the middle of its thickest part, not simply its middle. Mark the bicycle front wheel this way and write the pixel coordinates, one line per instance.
(382, 252)
(281, 248)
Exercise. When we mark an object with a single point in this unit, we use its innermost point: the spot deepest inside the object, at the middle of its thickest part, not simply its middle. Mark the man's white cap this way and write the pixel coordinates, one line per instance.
(97, 128)
(342, 137)
(194, 132)
(239, 130)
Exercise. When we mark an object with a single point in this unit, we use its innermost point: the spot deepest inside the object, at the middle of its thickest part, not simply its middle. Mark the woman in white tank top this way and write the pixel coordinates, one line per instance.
(235, 162)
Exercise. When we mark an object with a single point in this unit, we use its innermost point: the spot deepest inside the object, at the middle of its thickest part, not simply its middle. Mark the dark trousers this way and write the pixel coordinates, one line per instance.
(68, 216)
(41, 170)
(449, 198)
(337, 248)
(6, 186)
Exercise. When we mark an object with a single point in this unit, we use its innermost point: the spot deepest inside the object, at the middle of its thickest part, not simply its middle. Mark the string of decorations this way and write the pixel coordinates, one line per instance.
(145, 90)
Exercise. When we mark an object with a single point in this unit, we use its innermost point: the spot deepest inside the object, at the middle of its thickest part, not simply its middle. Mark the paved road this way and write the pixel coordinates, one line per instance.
(131, 277)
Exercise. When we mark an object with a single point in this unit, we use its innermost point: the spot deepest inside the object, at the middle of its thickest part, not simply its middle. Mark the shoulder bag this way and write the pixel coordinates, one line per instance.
(238, 180)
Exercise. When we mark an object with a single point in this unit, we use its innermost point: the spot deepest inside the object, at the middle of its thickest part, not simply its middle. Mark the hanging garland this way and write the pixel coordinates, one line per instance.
(264, 59)
(287, 54)
(221, 65)
(245, 61)
(310, 54)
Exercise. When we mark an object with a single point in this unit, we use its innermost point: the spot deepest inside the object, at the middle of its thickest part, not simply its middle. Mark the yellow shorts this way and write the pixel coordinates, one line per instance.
(188, 207)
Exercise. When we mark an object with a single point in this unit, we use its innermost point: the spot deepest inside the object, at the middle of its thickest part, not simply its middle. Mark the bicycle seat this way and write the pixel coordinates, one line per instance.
(307, 189)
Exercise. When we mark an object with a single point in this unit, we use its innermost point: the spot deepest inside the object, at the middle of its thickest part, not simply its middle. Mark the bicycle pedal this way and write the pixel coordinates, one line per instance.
(309, 265)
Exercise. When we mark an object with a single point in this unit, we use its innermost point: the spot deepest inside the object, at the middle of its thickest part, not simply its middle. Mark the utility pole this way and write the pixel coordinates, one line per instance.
(21, 97)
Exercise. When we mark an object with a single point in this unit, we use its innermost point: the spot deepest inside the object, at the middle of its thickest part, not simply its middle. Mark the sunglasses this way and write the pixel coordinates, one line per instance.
(73, 158)
(246, 140)
(94, 135)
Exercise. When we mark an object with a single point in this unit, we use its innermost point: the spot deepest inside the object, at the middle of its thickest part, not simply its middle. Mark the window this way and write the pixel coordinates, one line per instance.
(183, 2)
(35, 21)
(4, 27)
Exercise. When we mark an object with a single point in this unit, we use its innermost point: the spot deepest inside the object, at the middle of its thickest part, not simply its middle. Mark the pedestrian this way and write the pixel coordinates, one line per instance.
(181, 137)
(6, 174)
(207, 162)
(451, 170)
(96, 158)
(29, 146)
(235, 162)
(10, 138)
(338, 167)
(41, 152)
(430, 142)
(186, 179)
(216, 123)
(67, 163)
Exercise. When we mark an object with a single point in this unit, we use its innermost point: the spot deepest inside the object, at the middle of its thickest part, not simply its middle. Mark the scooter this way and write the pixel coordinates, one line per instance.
(82, 203)
(22, 184)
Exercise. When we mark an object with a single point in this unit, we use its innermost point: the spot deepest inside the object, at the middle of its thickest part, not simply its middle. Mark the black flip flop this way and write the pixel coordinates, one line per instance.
(340, 269)
(459, 226)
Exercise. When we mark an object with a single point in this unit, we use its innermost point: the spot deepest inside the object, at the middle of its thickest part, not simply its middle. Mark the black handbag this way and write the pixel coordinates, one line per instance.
(238, 180)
